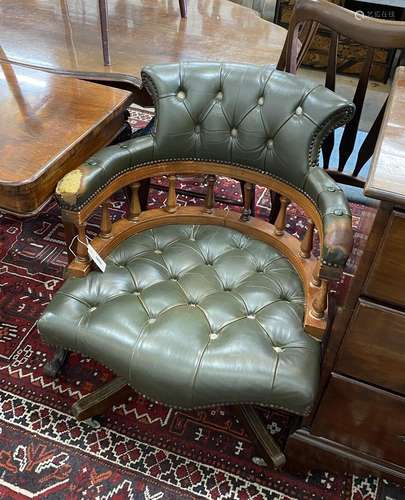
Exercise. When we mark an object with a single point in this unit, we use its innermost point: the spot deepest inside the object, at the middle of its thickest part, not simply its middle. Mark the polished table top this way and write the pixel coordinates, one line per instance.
(44, 119)
(64, 35)
(387, 176)
(39, 128)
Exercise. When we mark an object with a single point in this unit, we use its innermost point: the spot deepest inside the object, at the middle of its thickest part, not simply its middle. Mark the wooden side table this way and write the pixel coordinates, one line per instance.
(49, 125)
(358, 424)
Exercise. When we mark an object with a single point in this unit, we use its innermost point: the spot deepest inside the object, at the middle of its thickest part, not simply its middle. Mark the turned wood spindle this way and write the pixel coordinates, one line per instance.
(106, 224)
(210, 198)
(70, 238)
(308, 241)
(81, 249)
(171, 197)
(247, 201)
(279, 225)
(320, 302)
(135, 204)
(316, 281)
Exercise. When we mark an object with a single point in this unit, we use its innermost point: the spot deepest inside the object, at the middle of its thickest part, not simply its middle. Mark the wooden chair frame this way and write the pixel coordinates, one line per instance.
(111, 235)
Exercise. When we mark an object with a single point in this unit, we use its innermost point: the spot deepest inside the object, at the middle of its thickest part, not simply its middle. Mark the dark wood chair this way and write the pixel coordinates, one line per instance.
(308, 17)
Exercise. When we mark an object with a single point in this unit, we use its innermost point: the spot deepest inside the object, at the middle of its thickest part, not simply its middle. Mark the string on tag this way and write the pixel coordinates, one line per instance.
(80, 241)
(93, 254)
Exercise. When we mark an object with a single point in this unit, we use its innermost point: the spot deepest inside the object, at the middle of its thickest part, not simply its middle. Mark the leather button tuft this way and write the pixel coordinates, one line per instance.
(338, 211)
(234, 132)
(331, 189)
(219, 96)
(181, 95)
(124, 146)
(92, 309)
(278, 349)
(197, 129)
(198, 296)
(270, 143)
(92, 162)
(298, 111)
(260, 101)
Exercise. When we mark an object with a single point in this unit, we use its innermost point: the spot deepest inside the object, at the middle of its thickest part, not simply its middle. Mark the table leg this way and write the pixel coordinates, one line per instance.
(183, 8)
(102, 5)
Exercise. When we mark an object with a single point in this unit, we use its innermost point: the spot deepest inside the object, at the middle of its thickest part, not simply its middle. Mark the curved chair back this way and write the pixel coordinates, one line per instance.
(242, 114)
(308, 17)
(255, 124)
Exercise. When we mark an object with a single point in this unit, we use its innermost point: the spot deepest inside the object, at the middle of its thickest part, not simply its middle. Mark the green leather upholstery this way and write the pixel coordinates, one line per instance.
(251, 116)
(193, 316)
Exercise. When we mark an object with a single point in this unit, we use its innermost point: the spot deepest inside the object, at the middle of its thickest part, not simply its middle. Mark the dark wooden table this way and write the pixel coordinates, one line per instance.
(358, 424)
(50, 124)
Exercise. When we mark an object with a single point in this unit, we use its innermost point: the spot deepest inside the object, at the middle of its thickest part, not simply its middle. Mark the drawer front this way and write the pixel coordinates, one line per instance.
(373, 348)
(364, 418)
(386, 280)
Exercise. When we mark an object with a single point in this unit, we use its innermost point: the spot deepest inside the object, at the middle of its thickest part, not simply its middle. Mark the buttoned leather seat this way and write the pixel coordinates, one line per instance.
(193, 316)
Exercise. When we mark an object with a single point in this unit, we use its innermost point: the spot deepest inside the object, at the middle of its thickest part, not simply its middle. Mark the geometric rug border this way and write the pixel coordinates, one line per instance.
(149, 461)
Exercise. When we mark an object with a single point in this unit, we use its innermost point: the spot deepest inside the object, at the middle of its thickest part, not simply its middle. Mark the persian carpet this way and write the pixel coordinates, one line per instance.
(138, 450)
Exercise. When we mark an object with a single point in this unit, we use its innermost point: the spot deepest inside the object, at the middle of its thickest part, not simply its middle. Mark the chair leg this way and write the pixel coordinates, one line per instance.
(259, 434)
(275, 206)
(183, 8)
(144, 193)
(99, 401)
(252, 199)
(253, 202)
(54, 365)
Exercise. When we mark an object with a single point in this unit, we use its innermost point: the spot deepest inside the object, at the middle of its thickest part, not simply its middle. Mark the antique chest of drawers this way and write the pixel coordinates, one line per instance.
(358, 424)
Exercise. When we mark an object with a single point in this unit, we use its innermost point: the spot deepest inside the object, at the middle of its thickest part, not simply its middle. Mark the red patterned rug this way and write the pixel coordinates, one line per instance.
(139, 450)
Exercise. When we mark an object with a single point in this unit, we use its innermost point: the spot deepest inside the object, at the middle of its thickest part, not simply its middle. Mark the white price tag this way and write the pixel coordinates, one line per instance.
(95, 257)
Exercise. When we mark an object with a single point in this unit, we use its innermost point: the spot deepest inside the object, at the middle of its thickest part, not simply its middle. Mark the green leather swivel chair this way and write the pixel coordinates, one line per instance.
(200, 306)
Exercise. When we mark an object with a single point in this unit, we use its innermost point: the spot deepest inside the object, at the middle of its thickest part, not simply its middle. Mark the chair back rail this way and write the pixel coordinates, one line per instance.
(307, 18)
(232, 120)
(299, 253)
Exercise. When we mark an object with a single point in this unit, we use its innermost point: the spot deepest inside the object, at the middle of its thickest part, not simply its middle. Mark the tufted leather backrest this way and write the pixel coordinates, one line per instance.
(242, 114)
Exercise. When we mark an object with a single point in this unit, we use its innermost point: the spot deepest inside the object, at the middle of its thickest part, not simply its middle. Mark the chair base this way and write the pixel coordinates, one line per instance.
(118, 391)
(54, 365)
(99, 401)
(268, 448)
